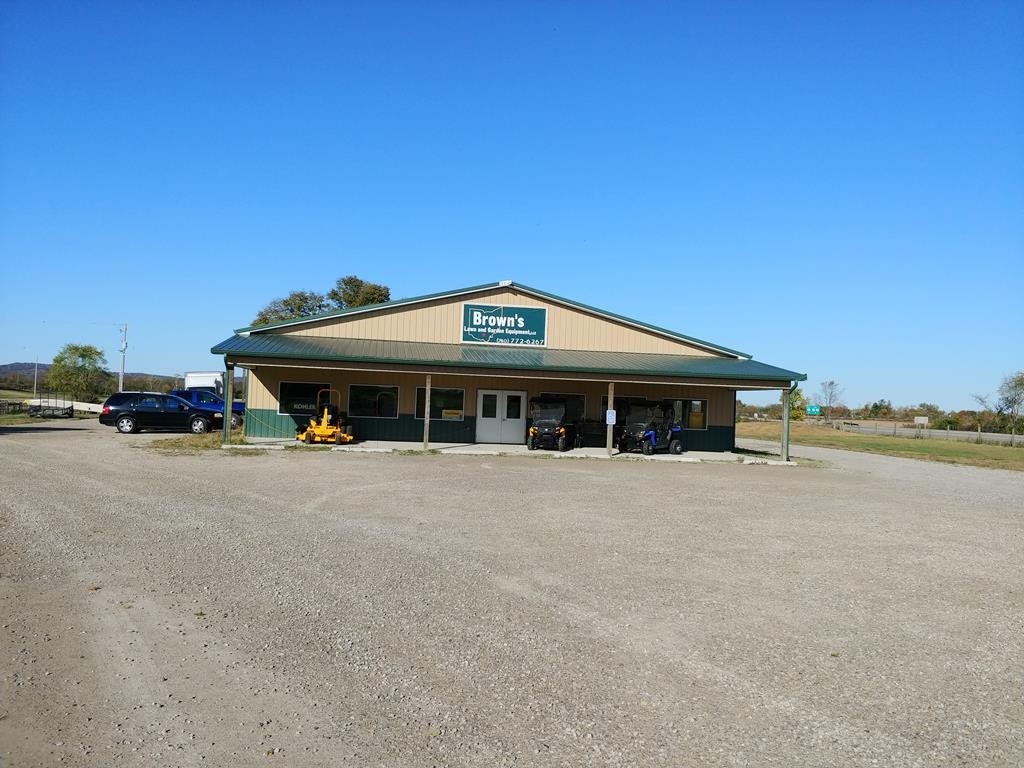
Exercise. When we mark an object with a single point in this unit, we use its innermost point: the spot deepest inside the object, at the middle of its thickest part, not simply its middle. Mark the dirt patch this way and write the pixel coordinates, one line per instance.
(331, 608)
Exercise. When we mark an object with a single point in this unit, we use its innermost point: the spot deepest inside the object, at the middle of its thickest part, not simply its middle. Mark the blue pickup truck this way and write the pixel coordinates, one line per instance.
(206, 399)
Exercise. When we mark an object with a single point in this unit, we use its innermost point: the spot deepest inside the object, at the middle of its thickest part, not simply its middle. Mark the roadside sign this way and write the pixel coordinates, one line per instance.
(609, 418)
(814, 410)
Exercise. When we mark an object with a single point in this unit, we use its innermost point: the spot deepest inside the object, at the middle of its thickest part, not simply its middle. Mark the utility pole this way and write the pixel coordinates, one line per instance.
(124, 346)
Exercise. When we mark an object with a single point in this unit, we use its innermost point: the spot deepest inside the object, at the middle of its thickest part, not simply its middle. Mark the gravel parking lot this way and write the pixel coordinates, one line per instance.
(317, 608)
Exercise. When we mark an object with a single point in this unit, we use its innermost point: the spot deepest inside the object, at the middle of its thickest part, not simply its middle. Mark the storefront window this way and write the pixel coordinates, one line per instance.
(696, 414)
(373, 402)
(445, 404)
(298, 397)
(622, 406)
(575, 405)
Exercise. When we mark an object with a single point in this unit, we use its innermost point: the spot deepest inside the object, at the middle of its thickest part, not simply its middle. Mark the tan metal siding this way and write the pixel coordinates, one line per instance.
(441, 321)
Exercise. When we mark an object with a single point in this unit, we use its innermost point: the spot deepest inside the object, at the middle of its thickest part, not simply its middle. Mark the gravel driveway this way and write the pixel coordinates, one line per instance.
(317, 608)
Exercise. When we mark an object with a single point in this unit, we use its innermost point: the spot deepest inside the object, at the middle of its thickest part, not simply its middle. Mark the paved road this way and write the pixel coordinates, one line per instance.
(312, 608)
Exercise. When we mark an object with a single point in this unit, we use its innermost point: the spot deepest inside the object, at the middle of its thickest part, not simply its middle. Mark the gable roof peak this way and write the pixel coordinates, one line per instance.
(543, 295)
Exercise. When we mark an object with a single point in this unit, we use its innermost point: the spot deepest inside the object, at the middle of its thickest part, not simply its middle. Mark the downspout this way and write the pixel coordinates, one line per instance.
(785, 420)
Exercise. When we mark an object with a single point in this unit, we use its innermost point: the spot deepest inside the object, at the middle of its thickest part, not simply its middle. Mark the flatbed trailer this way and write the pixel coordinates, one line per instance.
(51, 407)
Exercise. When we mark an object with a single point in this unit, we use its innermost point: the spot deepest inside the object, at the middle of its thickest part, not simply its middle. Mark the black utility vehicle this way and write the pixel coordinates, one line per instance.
(132, 411)
(549, 428)
(651, 426)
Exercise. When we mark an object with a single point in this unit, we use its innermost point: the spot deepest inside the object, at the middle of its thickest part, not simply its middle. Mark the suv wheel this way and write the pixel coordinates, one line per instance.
(126, 425)
(199, 425)
(561, 444)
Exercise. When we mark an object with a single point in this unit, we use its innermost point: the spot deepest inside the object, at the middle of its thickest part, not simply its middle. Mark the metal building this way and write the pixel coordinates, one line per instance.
(482, 353)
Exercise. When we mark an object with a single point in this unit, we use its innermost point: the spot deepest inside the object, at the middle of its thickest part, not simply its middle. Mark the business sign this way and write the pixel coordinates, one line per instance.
(814, 410)
(499, 324)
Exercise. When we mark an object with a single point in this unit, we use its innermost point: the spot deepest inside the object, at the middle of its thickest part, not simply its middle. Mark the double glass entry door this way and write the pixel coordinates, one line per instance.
(500, 416)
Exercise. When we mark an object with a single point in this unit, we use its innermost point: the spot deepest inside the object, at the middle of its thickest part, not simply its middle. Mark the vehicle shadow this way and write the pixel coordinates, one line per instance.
(15, 429)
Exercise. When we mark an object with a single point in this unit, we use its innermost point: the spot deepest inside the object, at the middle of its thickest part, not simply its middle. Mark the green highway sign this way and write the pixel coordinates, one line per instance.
(814, 410)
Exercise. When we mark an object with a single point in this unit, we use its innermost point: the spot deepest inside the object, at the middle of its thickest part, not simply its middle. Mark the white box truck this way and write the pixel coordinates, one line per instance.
(212, 381)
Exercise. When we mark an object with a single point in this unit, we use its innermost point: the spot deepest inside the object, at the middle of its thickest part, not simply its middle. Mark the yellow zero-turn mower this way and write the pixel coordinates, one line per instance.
(324, 426)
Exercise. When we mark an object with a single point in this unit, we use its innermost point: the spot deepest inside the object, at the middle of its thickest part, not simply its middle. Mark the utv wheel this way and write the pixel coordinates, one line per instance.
(561, 444)
(126, 425)
(647, 447)
(236, 421)
(199, 425)
(676, 447)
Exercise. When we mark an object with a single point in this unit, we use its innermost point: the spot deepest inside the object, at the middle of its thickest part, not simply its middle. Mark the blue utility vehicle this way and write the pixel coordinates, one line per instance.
(652, 425)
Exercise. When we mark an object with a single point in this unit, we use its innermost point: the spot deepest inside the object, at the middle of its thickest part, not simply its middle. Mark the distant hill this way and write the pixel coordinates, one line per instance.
(21, 376)
(23, 368)
(29, 369)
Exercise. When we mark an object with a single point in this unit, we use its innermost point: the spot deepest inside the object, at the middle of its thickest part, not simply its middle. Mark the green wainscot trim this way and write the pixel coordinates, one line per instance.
(261, 422)
(406, 428)
(719, 439)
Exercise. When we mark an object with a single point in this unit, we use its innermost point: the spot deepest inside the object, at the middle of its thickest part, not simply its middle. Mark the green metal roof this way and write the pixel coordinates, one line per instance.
(483, 289)
(506, 357)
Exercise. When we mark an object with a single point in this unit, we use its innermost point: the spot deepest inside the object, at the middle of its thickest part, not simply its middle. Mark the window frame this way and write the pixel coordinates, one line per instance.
(398, 401)
(318, 384)
(416, 404)
(556, 395)
(703, 410)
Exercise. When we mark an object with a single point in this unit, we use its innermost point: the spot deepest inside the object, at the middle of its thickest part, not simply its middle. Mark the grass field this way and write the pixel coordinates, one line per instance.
(15, 394)
(948, 451)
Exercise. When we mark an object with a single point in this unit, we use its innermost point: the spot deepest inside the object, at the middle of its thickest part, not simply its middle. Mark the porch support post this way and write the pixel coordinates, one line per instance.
(426, 416)
(229, 399)
(785, 424)
(610, 436)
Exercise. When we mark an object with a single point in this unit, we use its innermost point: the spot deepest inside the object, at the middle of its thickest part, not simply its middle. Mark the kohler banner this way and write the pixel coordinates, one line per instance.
(498, 324)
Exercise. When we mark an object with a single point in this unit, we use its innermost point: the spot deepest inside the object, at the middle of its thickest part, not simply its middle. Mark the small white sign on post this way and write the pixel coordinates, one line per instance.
(920, 421)
(609, 417)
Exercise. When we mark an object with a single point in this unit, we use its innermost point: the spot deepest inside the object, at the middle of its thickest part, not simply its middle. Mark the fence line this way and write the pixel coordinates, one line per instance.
(959, 435)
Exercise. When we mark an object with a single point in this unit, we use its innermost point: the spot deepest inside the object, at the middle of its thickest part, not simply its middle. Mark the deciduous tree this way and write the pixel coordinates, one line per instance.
(1011, 400)
(829, 396)
(79, 371)
(351, 292)
(295, 304)
(797, 404)
(347, 292)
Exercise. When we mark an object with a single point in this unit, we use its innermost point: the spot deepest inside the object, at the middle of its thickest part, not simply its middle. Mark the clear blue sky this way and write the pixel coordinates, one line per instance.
(835, 188)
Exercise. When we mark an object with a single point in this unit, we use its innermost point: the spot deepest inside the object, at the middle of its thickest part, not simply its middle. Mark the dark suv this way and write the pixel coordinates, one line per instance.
(132, 411)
